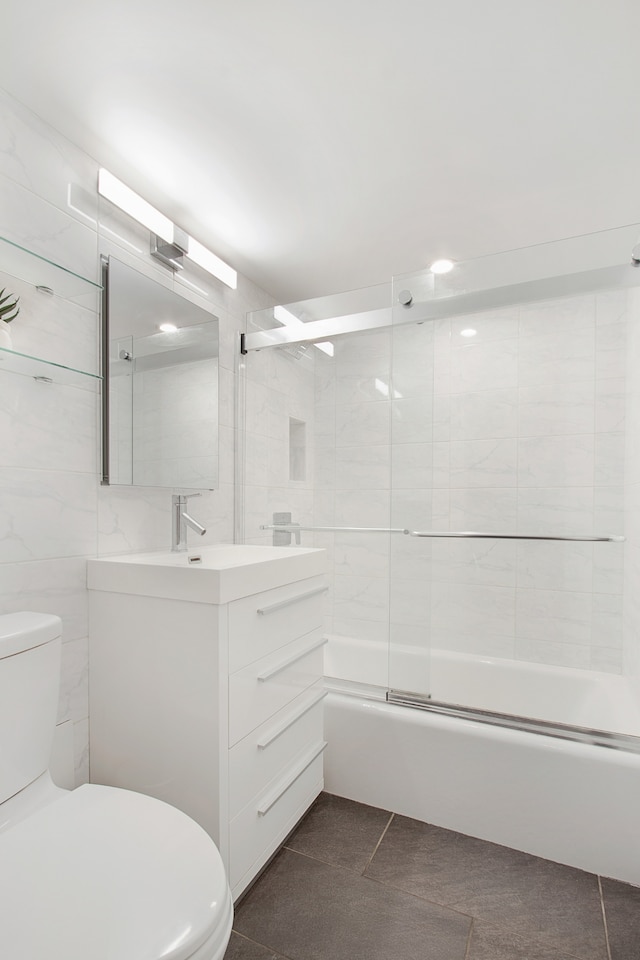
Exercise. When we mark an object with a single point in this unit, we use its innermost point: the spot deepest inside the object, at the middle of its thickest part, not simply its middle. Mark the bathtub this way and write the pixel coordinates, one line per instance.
(583, 698)
(572, 802)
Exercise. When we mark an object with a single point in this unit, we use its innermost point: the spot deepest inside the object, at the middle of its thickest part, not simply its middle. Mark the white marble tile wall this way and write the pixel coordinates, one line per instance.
(53, 512)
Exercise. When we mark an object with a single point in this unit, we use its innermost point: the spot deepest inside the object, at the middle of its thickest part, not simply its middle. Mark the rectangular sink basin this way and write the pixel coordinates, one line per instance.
(225, 572)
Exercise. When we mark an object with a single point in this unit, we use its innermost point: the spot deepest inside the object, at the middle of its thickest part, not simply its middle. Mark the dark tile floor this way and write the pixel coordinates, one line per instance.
(357, 883)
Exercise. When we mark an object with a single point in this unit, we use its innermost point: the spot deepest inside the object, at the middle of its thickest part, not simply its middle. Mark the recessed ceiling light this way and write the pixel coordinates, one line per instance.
(441, 266)
(168, 328)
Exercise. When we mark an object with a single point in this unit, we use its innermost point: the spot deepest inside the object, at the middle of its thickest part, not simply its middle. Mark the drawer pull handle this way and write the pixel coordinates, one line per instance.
(263, 611)
(271, 672)
(273, 797)
(275, 732)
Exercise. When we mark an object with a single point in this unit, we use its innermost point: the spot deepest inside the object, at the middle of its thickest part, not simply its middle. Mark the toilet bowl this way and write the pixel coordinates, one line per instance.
(95, 873)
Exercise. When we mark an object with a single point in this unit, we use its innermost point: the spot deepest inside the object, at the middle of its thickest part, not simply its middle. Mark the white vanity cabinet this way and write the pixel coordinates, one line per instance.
(212, 703)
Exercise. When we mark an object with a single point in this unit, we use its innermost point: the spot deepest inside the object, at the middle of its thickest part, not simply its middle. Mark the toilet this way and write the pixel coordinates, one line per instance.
(95, 873)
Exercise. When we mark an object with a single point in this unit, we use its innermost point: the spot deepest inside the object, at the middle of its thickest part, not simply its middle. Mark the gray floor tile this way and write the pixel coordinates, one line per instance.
(340, 831)
(534, 898)
(242, 949)
(488, 942)
(308, 910)
(622, 909)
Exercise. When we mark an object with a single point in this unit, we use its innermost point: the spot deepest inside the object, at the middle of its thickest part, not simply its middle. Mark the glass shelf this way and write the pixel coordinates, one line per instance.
(36, 269)
(21, 363)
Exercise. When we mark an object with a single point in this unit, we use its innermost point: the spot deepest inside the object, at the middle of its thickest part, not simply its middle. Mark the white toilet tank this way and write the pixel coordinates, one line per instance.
(30, 647)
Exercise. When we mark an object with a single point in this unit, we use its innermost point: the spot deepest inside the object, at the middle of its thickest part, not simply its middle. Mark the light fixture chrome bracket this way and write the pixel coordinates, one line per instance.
(170, 243)
(170, 254)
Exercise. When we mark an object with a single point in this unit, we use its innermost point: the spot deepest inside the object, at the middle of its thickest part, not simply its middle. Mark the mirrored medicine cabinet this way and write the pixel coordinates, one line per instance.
(160, 386)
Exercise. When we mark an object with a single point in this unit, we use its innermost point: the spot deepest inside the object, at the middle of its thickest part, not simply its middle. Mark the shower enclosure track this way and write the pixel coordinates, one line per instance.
(440, 534)
(562, 731)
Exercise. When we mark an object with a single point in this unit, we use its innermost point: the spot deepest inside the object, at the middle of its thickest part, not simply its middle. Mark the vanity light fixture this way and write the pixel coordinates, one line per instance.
(169, 242)
(212, 264)
(288, 319)
(441, 266)
(123, 196)
(168, 328)
(468, 332)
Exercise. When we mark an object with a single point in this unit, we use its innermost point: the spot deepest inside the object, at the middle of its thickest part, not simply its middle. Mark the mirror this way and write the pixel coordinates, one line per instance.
(160, 389)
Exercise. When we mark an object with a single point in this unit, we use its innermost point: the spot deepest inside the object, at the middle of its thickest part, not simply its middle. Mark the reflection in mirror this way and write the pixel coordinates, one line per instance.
(160, 399)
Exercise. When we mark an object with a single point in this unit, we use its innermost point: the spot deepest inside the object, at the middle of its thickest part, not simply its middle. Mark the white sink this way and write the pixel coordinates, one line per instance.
(224, 572)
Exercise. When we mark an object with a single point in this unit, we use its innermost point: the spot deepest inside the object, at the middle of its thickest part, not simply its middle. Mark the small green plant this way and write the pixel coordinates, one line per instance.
(7, 308)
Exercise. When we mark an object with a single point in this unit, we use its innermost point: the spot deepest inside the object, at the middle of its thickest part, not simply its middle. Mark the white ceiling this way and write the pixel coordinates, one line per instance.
(322, 145)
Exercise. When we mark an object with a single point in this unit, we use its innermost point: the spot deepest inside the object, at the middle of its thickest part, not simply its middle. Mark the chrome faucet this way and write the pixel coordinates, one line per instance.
(180, 519)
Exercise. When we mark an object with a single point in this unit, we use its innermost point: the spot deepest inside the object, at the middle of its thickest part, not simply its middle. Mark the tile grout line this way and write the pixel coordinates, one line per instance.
(382, 836)
(418, 896)
(525, 938)
(383, 883)
(604, 918)
(467, 952)
(327, 863)
(281, 956)
(380, 883)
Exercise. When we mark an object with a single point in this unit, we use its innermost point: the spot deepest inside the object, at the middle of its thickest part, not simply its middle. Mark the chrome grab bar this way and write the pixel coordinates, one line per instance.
(463, 534)
(452, 534)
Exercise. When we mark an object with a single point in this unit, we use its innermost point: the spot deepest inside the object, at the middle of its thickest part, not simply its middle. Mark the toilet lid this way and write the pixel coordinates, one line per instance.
(107, 874)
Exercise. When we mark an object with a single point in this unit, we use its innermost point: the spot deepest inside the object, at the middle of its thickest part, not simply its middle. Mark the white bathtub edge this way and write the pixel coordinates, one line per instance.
(569, 802)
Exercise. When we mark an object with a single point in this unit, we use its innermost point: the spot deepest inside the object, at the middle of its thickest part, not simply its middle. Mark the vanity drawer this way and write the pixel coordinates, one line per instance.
(258, 691)
(266, 752)
(266, 621)
(265, 822)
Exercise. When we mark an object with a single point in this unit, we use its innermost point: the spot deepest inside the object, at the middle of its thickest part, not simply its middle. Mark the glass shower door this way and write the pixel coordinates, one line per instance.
(513, 567)
(470, 468)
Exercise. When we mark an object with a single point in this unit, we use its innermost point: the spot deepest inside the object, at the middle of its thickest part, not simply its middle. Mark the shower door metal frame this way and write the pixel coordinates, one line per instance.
(561, 731)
